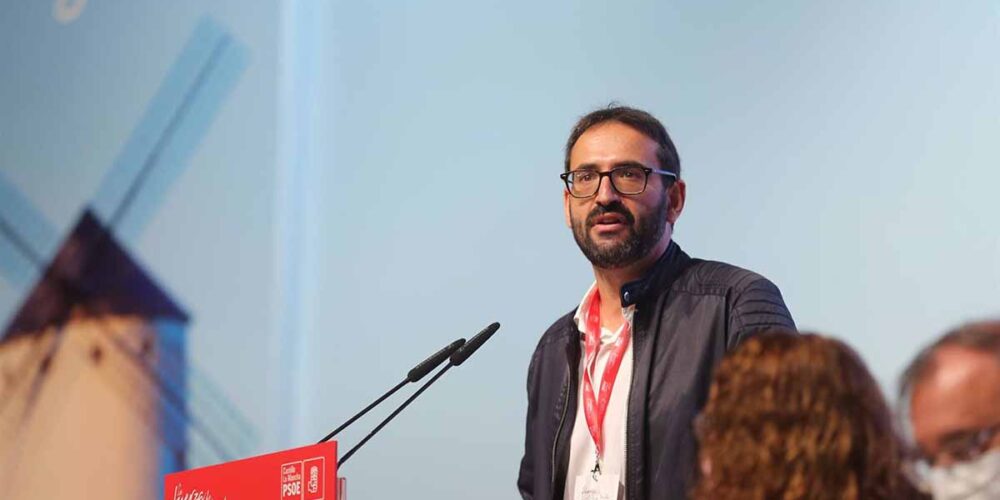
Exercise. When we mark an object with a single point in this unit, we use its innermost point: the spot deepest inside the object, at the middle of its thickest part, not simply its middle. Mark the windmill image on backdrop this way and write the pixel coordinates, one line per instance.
(97, 396)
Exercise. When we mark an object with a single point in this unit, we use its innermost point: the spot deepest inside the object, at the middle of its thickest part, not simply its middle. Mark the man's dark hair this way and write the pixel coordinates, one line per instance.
(983, 337)
(637, 119)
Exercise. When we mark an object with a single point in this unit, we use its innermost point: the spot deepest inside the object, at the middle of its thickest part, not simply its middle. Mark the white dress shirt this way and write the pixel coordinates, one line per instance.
(582, 451)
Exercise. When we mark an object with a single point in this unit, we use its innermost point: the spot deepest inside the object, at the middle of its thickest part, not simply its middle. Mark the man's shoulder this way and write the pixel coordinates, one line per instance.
(558, 331)
(715, 277)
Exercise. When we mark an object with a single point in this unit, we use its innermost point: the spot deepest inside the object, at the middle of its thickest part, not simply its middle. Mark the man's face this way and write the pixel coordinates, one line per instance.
(615, 230)
(959, 397)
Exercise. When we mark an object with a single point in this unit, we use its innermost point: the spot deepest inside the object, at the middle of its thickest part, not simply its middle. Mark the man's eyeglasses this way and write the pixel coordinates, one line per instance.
(960, 447)
(627, 179)
(964, 446)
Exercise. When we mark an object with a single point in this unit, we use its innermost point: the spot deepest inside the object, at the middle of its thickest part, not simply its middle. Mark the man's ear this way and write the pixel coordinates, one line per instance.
(566, 197)
(706, 467)
(677, 193)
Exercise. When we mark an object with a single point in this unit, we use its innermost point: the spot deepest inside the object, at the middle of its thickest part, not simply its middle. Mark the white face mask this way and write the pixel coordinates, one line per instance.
(977, 479)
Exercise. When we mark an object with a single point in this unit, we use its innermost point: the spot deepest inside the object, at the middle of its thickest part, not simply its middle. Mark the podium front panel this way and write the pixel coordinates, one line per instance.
(306, 473)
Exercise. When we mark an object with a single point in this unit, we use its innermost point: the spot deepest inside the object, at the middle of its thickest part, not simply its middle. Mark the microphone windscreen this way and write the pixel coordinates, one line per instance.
(471, 346)
(433, 361)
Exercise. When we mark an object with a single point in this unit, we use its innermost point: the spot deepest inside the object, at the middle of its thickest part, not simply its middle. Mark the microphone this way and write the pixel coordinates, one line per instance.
(470, 347)
(416, 373)
(456, 358)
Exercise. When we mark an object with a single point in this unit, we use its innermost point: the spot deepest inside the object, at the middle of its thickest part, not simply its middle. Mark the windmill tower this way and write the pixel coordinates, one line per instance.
(92, 391)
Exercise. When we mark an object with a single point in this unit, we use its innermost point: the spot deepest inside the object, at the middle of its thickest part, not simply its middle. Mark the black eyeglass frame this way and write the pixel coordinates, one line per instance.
(968, 446)
(565, 176)
(973, 444)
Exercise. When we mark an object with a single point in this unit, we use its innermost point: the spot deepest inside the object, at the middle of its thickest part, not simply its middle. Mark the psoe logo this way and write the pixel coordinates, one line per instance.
(291, 480)
(315, 478)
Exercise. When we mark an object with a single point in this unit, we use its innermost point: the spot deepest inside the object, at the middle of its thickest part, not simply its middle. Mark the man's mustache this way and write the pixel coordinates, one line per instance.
(615, 207)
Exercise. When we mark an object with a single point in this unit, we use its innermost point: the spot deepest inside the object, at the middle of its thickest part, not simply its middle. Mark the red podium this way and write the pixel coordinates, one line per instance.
(306, 473)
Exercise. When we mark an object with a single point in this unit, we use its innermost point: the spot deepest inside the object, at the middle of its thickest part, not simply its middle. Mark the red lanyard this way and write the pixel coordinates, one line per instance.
(595, 410)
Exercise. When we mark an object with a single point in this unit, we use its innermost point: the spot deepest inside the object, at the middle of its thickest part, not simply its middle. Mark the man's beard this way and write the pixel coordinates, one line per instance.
(640, 238)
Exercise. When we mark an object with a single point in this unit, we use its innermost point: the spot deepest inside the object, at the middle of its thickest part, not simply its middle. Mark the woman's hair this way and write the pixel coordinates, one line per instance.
(797, 416)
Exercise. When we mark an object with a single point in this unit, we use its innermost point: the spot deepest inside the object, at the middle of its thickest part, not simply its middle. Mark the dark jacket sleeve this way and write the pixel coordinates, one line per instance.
(526, 475)
(756, 305)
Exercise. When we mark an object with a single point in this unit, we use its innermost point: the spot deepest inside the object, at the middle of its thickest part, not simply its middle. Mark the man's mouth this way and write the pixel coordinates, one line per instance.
(609, 222)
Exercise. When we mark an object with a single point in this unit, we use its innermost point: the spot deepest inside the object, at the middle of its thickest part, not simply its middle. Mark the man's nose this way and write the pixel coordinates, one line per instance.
(944, 460)
(606, 192)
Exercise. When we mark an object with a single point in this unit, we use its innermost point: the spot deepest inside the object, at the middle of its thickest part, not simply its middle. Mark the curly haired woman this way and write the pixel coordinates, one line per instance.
(797, 417)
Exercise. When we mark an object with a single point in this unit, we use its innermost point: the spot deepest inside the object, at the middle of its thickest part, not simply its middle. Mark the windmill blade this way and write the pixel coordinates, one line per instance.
(159, 148)
(153, 157)
(27, 240)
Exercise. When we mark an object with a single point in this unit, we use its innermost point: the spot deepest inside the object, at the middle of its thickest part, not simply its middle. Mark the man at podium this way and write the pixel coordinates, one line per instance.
(614, 385)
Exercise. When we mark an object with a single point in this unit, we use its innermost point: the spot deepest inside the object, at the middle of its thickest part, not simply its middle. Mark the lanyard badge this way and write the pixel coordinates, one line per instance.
(595, 406)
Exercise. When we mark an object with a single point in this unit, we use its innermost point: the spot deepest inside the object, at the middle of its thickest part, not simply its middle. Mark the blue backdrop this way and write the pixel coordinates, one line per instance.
(358, 183)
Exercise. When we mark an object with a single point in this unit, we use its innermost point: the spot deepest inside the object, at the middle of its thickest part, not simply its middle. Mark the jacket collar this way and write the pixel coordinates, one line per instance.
(666, 268)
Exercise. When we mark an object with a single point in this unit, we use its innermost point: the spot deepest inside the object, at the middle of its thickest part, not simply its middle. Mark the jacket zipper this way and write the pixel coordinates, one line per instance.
(628, 414)
(555, 442)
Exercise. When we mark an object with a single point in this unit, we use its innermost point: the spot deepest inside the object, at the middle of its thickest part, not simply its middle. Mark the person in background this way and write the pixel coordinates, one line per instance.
(793, 416)
(951, 395)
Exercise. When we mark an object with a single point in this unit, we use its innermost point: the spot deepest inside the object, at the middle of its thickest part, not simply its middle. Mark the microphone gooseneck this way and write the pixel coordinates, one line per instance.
(457, 357)
(416, 373)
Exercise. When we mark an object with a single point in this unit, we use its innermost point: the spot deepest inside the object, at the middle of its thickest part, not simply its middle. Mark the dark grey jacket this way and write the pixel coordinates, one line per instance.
(689, 312)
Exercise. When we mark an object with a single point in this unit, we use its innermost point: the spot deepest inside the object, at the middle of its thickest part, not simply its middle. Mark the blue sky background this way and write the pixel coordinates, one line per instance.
(382, 179)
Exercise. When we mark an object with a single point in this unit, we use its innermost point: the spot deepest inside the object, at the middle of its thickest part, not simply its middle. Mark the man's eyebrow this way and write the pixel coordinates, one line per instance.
(629, 163)
(957, 435)
(623, 163)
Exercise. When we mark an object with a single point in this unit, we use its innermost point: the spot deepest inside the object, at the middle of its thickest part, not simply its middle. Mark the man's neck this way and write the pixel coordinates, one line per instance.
(610, 282)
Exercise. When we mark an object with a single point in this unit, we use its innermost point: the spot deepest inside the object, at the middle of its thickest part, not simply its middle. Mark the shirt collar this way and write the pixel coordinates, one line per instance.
(579, 318)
